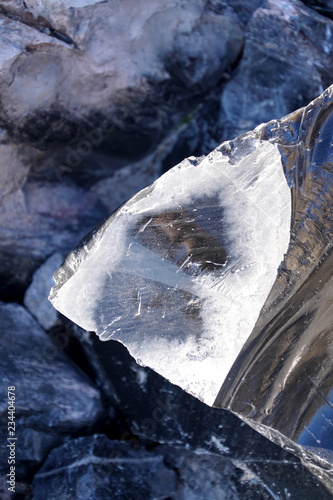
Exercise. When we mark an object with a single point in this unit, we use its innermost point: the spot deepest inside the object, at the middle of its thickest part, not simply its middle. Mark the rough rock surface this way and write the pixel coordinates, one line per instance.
(36, 221)
(280, 76)
(35, 298)
(54, 399)
(325, 7)
(97, 468)
(286, 62)
(162, 412)
(127, 81)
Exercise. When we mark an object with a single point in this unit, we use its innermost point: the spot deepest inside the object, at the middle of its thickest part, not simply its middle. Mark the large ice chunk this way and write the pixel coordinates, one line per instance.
(220, 277)
(180, 273)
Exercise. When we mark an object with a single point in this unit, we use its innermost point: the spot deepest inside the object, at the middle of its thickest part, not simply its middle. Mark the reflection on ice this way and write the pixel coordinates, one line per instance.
(319, 431)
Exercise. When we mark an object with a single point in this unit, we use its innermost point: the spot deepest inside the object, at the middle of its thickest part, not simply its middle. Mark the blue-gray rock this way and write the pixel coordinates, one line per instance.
(167, 55)
(36, 221)
(286, 63)
(95, 468)
(53, 398)
(36, 296)
(157, 410)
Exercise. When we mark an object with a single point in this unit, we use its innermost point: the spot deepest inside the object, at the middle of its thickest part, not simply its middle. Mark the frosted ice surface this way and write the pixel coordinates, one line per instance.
(180, 273)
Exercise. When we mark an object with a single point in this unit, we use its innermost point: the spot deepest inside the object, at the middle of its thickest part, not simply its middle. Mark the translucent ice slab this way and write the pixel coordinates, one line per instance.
(219, 277)
(181, 272)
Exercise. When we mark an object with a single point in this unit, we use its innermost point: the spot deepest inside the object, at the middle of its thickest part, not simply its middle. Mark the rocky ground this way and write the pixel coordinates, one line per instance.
(97, 100)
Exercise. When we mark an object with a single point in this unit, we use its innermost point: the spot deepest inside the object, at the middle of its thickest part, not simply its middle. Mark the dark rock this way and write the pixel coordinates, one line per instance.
(95, 468)
(162, 412)
(53, 398)
(37, 220)
(325, 7)
(211, 477)
(273, 77)
(200, 132)
(175, 53)
(287, 61)
(240, 8)
(23, 490)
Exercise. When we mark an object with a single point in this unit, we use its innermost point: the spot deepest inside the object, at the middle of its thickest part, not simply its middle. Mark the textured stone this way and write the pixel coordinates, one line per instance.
(287, 61)
(35, 298)
(175, 51)
(96, 468)
(159, 411)
(54, 399)
(36, 221)
(211, 477)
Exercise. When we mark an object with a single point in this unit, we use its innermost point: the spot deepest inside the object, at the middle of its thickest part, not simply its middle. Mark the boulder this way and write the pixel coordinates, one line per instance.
(96, 468)
(286, 63)
(52, 398)
(35, 298)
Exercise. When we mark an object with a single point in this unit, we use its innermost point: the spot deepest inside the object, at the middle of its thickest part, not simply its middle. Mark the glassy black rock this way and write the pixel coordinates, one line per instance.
(94, 467)
(325, 7)
(219, 277)
(159, 411)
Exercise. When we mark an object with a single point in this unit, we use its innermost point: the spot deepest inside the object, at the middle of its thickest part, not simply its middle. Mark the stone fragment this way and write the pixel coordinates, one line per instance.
(97, 468)
(159, 411)
(167, 55)
(35, 298)
(53, 398)
(211, 477)
(36, 221)
(286, 63)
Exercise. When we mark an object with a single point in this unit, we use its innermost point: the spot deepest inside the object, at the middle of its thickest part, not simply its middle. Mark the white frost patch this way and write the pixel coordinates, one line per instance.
(141, 376)
(122, 277)
(219, 444)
